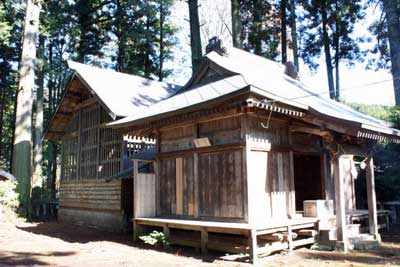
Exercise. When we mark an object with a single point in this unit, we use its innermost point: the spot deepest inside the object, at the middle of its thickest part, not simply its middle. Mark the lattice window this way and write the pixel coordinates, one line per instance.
(69, 159)
(90, 118)
(110, 152)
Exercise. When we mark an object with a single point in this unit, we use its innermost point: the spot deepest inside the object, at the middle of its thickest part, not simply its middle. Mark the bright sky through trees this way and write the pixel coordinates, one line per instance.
(215, 20)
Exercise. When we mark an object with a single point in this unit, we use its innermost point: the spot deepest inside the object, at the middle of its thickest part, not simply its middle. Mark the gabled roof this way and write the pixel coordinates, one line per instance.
(123, 94)
(120, 94)
(252, 73)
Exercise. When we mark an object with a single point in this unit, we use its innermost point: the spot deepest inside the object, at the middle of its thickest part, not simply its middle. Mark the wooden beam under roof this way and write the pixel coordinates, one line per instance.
(309, 130)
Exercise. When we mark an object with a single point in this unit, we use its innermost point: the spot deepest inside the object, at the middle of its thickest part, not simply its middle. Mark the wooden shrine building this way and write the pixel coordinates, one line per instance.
(94, 159)
(245, 157)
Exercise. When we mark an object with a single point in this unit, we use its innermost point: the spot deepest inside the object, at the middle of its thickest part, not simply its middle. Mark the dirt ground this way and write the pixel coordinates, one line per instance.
(56, 244)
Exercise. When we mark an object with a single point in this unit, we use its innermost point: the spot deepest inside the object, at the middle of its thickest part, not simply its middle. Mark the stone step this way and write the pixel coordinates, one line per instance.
(327, 234)
(353, 230)
(363, 242)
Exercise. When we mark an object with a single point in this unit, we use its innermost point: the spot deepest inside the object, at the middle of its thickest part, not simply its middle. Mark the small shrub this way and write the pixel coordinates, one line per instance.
(8, 196)
(155, 238)
(9, 201)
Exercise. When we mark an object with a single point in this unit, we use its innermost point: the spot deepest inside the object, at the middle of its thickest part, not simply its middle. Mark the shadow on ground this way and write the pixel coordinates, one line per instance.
(29, 259)
(80, 234)
(387, 253)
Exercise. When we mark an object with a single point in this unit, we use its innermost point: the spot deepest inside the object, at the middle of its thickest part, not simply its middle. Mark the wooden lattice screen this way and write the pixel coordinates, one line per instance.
(69, 159)
(90, 150)
(110, 152)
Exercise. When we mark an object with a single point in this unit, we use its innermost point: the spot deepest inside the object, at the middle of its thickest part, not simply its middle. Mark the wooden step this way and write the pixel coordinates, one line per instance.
(307, 232)
(327, 234)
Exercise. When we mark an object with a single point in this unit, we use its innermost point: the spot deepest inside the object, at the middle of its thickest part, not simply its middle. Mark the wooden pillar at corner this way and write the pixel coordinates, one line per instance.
(136, 227)
(372, 209)
(341, 227)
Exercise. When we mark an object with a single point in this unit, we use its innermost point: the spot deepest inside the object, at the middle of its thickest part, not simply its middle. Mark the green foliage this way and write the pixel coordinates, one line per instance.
(8, 195)
(11, 22)
(155, 238)
(260, 28)
(386, 157)
(341, 17)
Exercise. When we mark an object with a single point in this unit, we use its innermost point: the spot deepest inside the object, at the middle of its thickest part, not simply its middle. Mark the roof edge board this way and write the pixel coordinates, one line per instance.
(93, 92)
(178, 111)
(59, 105)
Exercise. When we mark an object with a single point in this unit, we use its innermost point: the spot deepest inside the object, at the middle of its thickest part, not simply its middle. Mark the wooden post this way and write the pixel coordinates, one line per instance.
(166, 231)
(340, 204)
(253, 246)
(204, 241)
(372, 210)
(136, 231)
(290, 237)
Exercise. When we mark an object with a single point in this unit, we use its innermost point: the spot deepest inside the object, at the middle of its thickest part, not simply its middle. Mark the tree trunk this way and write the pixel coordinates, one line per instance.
(257, 19)
(23, 128)
(337, 91)
(2, 106)
(195, 38)
(37, 149)
(161, 59)
(337, 52)
(283, 31)
(147, 63)
(392, 10)
(294, 34)
(328, 57)
(236, 24)
(52, 167)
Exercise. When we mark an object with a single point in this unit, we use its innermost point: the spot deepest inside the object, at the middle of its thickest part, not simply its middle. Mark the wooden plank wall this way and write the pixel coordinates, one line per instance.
(276, 133)
(221, 183)
(222, 131)
(97, 195)
(201, 184)
(279, 184)
(94, 203)
(144, 195)
(177, 138)
(167, 186)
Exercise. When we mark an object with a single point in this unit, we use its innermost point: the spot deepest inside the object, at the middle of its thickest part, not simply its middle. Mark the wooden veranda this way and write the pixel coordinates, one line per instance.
(234, 237)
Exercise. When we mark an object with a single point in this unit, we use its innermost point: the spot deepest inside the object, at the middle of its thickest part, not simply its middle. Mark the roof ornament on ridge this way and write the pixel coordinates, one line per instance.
(215, 44)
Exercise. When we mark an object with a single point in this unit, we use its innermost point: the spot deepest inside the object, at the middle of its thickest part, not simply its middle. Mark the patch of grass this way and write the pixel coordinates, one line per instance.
(155, 238)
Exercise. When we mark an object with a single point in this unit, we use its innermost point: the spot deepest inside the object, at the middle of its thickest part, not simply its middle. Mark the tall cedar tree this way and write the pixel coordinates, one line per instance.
(294, 33)
(94, 22)
(261, 28)
(392, 10)
(236, 24)
(283, 8)
(143, 36)
(23, 125)
(11, 26)
(326, 28)
(195, 38)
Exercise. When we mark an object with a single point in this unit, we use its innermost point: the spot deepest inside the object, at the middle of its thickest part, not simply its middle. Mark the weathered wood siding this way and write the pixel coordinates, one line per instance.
(221, 184)
(91, 202)
(177, 138)
(200, 184)
(167, 185)
(223, 131)
(144, 195)
(267, 130)
(279, 183)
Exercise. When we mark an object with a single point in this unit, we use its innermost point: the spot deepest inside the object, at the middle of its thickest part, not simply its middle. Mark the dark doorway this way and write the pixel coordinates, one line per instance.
(127, 201)
(307, 178)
